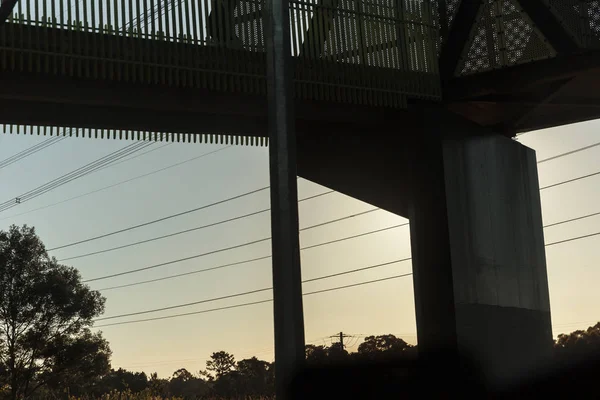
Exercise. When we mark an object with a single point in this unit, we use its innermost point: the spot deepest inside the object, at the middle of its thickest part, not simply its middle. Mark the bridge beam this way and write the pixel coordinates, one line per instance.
(480, 281)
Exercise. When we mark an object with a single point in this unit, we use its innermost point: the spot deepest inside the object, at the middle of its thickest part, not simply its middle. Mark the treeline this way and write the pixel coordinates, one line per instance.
(224, 377)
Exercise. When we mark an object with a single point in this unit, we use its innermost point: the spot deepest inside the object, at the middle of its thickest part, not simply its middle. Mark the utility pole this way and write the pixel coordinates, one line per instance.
(341, 337)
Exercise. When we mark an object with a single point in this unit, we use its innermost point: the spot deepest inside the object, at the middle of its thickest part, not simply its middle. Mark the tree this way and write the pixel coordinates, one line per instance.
(185, 385)
(579, 344)
(220, 363)
(45, 316)
(255, 377)
(316, 355)
(337, 353)
(384, 346)
(120, 381)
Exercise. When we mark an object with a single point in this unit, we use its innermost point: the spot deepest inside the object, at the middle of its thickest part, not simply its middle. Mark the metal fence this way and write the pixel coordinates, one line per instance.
(375, 52)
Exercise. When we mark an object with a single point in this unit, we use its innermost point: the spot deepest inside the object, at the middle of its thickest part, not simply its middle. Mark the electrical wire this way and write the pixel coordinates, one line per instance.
(215, 224)
(78, 173)
(254, 302)
(135, 156)
(231, 248)
(304, 248)
(161, 219)
(242, 195)
(570, 180)
(30, 151)
(572, 220)
(572, 239)
(568, 153)
(174, 216)
(118, 183)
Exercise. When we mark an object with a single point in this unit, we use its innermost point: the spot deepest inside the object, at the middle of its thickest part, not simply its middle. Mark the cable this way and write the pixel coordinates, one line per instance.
(173, 216)
(354, 236)
(570, 180)
(185, 274)
(571, 220)
(160, 219)
(304, 248)
(254, 302)
(568, 153)
(254, 291)
(214, 224)
(78, 173)
(227, 249)
(177, 261)
(136, 156)
(118, 183)
(30, 151)
(573, 239)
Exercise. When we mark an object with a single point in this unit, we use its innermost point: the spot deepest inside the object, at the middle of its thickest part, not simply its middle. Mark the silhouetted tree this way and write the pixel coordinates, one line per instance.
(316, 355)
(120, 381)
(158, 387)
(185, 385)
(45, 315)
(579, 344)
(220, 363)
(254, 377)
(384, 347)
(337, 353)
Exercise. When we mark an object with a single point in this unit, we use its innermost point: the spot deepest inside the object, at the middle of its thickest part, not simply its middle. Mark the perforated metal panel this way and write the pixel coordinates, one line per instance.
(593, 12)
(503, 36)
(248, 24)
(580, 18)
(569, 12)
(452, 10)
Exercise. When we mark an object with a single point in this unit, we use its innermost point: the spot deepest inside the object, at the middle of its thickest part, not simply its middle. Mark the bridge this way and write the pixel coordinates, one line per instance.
(409, 105)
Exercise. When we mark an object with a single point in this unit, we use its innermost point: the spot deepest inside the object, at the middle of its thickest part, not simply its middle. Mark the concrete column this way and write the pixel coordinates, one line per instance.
(480, 279)
(287, 280)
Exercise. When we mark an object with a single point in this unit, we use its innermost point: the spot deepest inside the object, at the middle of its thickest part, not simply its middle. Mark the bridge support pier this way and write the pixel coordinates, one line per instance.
(479, 264)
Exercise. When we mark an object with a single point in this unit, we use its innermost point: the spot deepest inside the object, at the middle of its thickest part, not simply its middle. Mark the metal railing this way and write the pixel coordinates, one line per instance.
(376, 52)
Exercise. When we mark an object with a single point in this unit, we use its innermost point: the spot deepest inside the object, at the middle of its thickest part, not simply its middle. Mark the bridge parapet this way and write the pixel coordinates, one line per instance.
(367, 52)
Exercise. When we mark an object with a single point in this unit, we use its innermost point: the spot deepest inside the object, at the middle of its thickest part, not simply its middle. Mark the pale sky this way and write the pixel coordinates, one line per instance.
(380, 308)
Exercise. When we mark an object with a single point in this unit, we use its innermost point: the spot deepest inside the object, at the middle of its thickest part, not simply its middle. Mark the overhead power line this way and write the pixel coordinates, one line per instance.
(321, 244)
(254, 302)
(78, 173)
(568, 153)
(570, 180)
(132, 271)
(136, 156)
(30, 151)
(571, 220)
(230, 296)
(118, 183)
(573, 239)
(233, 198)
(216, 224)
(154, 221)
(174, 216)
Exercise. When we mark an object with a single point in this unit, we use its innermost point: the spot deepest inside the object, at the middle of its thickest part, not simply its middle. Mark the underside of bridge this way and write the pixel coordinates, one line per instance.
(428, 137)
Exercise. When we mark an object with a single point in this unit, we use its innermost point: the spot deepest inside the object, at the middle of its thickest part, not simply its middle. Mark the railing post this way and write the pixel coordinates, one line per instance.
(287, 286)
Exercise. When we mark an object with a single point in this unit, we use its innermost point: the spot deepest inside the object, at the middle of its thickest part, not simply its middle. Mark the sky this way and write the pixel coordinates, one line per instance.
(164, 346)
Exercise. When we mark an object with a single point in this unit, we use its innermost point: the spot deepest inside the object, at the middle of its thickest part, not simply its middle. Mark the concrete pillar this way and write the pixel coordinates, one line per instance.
(479, 264)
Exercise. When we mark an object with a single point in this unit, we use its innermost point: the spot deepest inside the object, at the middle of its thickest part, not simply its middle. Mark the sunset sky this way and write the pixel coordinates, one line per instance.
(386, 307)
